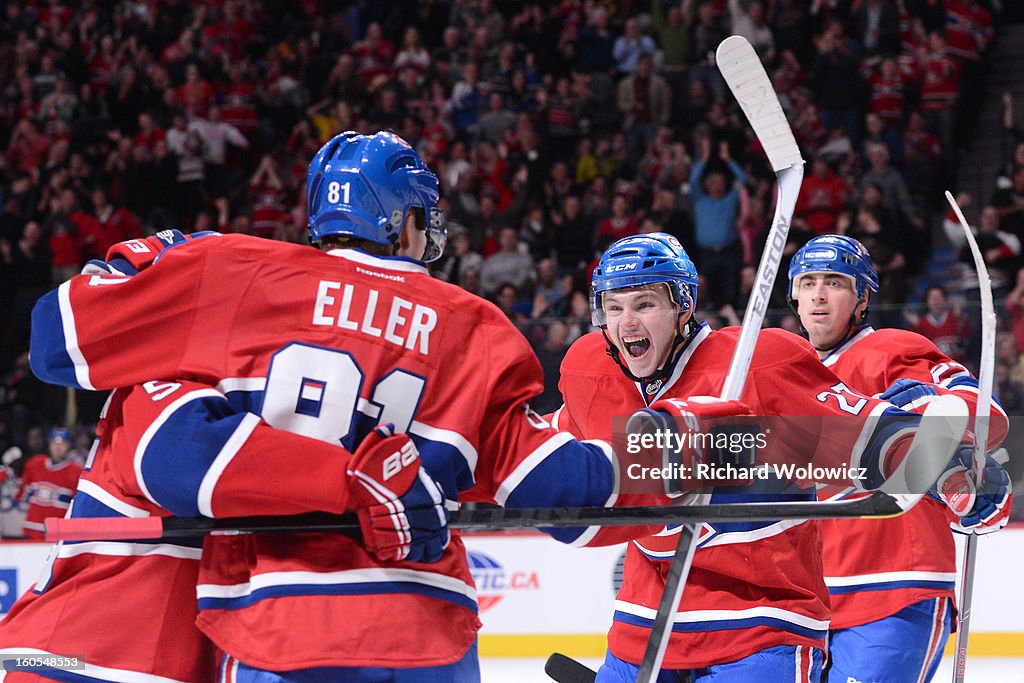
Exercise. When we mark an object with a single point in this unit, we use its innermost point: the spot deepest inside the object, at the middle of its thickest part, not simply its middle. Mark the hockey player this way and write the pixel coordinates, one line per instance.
(892, 611)
(755, 606)
(128, 609)
(328, 344)
(48, 482)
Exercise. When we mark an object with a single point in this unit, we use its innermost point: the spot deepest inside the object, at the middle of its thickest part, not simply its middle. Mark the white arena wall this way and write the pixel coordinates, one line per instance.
(538, 596)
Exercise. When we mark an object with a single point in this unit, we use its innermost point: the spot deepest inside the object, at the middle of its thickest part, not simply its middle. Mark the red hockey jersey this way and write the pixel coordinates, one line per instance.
(327, 345)
(752, 586)
(919, 561)
(48, 487)
(127, 609)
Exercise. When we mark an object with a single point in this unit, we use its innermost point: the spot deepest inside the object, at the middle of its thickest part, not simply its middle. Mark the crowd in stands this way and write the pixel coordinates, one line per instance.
(555, 128)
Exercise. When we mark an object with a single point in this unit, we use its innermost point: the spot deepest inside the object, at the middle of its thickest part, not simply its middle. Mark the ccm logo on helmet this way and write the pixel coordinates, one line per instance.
(623, 266)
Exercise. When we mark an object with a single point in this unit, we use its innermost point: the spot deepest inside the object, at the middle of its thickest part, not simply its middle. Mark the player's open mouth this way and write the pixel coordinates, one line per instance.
(636, 346)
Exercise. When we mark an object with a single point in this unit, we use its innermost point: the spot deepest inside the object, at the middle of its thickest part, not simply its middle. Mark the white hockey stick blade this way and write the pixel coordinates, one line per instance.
(745, 75)
(942, 428)
(986, 365)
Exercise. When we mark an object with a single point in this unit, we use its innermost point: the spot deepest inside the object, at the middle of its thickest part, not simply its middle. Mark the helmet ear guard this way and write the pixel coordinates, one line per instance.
(644, 260)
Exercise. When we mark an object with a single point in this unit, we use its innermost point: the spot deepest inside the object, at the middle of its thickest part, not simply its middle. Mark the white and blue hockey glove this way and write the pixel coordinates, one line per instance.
(401, 509)
(981, 510)
(909, 393)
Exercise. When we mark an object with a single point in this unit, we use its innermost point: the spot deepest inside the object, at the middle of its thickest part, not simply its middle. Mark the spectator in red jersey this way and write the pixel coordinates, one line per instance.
(28, 147)
(823, 197)
(48, 483)
(374, 55)
(269, 212)
(886, 88)
(146, 138)
(239, 106)
(944, 325)
(939, 94)
(113, 224)
(195, 95)
(622, 223)
(64, 239)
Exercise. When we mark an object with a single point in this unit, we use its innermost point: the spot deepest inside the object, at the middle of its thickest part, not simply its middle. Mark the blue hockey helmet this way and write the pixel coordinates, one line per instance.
(364, 186)
(59, 434)
(644, 260)
(834, 254)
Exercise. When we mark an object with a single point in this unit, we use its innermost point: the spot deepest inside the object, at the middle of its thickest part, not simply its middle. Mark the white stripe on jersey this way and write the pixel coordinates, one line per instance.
(154, 427)
(204, 499)
(246, 384)
(379, 262)
(938, 622)
(100, 673)
(713, 615)
(588, 534)
(528, 464)
(555, 415)
(886, 577)
(123, 549)
(67, 319)
(93, 490)
(454, 439)
(347, 576)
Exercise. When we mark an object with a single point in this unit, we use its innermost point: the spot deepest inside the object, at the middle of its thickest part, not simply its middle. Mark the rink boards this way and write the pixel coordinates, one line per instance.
(538, 596)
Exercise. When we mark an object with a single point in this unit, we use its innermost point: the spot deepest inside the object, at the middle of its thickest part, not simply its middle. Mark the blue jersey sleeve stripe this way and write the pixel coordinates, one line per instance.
(586, 466)
(180, 446)
(231, 447)
(49, 358)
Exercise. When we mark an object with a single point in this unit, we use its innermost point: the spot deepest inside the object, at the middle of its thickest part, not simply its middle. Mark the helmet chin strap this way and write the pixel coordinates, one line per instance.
(657, 378)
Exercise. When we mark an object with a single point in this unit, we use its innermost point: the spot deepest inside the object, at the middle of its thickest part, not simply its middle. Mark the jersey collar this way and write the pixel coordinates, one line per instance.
(680, 365)
(833, 355)
(400, 263)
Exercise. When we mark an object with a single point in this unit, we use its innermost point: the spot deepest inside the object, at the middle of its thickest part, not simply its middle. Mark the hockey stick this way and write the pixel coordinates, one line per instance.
(567, 670)
(745, 75)
(986, 370)
(927, 456)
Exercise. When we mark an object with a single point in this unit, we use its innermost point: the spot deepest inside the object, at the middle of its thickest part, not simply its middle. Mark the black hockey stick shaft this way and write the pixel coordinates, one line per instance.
(877, 504)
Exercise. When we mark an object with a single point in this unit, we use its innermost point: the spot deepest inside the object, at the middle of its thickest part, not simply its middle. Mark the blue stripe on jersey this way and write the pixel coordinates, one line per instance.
(891, 422)
(890, 585)
(182, 450)
(49, 357)
(245, 401)
(87, 506)
(368, 588)
(970, 382)
(446, 465)
(586, 465)
(770, 490)
(706, 625)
